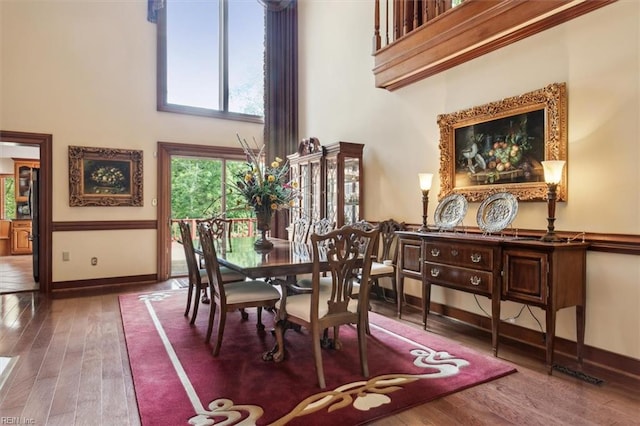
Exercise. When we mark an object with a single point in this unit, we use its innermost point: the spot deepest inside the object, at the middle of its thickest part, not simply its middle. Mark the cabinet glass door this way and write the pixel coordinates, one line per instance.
(351, 190)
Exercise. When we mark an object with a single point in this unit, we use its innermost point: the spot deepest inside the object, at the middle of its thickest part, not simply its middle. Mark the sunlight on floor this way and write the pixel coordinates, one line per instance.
(6, 364)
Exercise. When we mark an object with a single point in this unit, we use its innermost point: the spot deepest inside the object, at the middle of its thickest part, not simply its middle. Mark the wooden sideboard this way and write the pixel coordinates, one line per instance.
(550, 276)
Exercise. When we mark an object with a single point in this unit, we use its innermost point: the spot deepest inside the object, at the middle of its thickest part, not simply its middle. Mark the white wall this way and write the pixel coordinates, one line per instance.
(85, 72)
(597, 55)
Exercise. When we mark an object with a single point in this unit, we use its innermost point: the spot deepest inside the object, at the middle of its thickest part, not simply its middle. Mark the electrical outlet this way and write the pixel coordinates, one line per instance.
(94, 261)
(65, 256)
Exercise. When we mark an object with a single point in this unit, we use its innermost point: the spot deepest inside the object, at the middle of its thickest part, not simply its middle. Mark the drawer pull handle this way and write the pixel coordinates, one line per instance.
(454, 252)
(435, 272)
(476, 258)
(475, 280)
(435, 252)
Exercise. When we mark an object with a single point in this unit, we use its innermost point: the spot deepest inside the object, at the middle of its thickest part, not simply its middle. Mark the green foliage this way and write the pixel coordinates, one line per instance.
(9, 198)
(197, 189)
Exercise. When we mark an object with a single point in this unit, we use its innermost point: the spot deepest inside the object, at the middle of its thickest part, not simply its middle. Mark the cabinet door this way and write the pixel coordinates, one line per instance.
(21, 238)
(525, 276)
(410, 257)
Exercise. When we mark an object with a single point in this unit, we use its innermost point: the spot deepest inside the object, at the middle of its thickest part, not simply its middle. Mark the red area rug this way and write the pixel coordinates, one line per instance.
(178, 382)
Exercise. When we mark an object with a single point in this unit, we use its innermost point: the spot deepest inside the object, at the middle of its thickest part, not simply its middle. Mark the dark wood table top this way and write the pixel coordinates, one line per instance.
(286, 258)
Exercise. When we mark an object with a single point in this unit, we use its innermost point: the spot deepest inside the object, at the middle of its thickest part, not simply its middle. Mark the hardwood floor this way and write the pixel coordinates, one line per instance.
(16, 274)
(73, 368)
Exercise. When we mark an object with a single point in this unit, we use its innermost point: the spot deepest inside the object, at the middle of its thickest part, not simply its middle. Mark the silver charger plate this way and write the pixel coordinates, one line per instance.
(450, 211)
(497, 212)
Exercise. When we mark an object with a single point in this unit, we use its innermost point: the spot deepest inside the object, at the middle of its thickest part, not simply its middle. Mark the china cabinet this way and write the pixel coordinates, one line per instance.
(23, 173)
(331, 183)
(549, 275)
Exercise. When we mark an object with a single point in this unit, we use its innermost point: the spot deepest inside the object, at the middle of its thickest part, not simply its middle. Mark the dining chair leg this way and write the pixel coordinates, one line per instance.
(259, 324)
(362, 346)
(212, 314)
(317, 356)
(189, 296)
(278, 354)
(196, 303)
(221, 322)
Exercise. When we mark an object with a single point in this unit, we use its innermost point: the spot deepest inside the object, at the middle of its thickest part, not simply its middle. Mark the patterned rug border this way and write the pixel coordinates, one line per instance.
(361, 396)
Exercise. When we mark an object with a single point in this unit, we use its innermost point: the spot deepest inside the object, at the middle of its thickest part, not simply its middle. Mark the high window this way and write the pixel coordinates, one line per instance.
(211, 58)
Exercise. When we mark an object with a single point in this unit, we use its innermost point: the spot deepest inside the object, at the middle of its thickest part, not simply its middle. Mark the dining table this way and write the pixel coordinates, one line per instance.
(285, 259)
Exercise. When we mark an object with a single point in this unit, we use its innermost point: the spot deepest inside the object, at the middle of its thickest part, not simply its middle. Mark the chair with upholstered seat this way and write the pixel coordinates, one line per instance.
(226, 297)
(348, 251)
(384, 264)
(198, 276)
(303, 283)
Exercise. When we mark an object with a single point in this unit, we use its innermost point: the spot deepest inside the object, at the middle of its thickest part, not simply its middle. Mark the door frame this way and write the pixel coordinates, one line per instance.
(165, 151)
(44, 142)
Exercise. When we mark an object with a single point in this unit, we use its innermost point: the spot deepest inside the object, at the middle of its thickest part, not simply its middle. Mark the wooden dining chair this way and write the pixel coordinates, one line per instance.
(226, 297)
(197, 276)
(385, 260)
(299, 230)
(303, 283)
(347, 250)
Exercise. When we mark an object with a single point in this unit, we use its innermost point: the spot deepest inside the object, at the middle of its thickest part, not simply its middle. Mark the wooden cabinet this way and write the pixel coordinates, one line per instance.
(330, 182)
(550, 276)
(21, 237)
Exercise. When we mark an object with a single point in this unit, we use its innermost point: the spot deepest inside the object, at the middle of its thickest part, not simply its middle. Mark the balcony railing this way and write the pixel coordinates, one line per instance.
(415, 39)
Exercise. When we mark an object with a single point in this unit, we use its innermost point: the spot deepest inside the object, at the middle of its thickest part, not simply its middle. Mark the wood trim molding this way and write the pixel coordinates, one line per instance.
(45, 144)
(468, 31)
(81, 285)
(104, 225)
(607, 243)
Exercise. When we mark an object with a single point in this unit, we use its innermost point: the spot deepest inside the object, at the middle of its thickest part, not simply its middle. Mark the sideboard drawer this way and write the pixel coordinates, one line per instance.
(466, 255)
(470, 280)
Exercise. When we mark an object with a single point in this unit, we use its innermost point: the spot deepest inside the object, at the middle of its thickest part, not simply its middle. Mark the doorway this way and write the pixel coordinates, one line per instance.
(168, 153)
(18, 271)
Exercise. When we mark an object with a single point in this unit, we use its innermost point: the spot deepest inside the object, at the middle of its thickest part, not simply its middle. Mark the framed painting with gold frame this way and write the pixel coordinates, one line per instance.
(499, 146)
(105, 177)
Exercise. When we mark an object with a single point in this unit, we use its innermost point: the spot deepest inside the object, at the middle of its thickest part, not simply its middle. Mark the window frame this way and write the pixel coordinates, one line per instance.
(161, 80)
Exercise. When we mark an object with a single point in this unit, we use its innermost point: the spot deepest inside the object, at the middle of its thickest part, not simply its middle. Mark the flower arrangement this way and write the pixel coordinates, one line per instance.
(265, 188)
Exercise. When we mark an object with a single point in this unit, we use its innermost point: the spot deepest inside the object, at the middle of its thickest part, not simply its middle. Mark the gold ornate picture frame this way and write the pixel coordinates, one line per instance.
(105, 177)
(499, 146)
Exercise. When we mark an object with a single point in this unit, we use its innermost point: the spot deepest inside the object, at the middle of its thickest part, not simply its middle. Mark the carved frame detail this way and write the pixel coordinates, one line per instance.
(551, 101)
(105, 177)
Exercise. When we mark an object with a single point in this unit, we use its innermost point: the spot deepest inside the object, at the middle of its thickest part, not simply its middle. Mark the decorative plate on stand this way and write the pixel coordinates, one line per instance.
(497, 212)
(450, 211)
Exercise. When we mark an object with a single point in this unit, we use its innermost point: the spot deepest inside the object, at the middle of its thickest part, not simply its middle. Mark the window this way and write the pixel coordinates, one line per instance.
(7, 197)
(211, 58)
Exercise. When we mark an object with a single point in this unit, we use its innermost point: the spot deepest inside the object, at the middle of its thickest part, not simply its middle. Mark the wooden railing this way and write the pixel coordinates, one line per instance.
(401, 17)
(244, 227)
(419, 38)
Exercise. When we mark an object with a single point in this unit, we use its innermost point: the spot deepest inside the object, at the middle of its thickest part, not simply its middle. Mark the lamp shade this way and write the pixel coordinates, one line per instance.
(553, 170)
(425, 181)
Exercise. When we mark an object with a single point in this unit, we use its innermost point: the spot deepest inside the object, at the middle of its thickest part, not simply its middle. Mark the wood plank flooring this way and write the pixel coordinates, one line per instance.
(73, 369)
